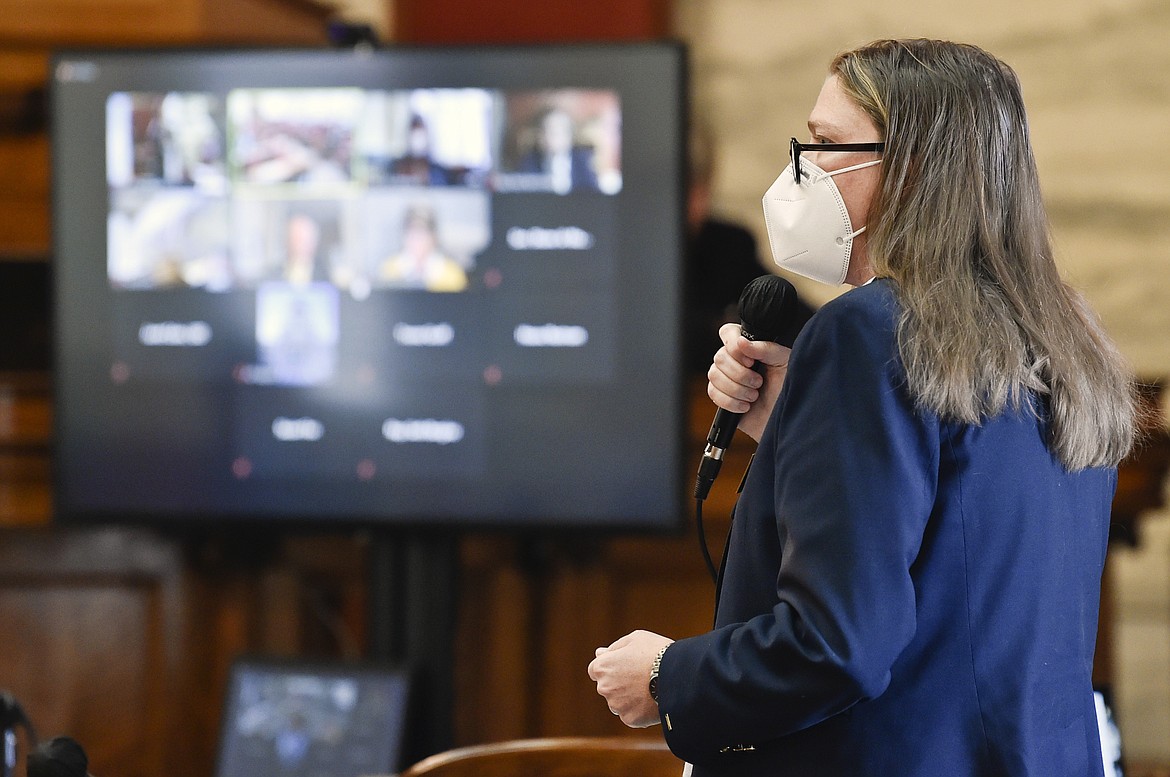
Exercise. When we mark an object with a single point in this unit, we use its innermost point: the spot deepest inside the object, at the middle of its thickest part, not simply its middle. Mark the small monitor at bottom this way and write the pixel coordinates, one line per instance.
(304, 719)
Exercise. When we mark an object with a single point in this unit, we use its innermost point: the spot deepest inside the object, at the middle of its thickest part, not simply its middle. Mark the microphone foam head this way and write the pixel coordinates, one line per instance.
(765, 307)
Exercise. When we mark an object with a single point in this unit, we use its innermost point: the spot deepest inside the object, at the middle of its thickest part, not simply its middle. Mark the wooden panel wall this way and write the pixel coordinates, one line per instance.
(92, 641)
(127, 635)
(123, 637)
(118, 636)
(509, 21)
(31, 23)
(24, 151)
(25, 421)
(30, 29)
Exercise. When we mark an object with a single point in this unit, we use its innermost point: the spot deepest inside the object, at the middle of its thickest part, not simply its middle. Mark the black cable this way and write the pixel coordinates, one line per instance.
(703, 541)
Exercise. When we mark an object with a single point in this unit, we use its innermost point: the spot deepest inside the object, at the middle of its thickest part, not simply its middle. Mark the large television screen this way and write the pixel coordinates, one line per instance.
(399, 286)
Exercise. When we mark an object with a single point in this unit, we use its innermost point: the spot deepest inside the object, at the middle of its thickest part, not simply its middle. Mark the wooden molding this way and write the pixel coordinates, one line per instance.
(514, 21)
(52, 23)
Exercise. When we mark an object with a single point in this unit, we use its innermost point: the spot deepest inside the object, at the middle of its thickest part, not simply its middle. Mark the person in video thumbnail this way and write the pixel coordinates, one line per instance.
(297, 331)
(568, 165)
(417, 166)
(304, 240)
(911, 583)
(297, 318)
(421, 264)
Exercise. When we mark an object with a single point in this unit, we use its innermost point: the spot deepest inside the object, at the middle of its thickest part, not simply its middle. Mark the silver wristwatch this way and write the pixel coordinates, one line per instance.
(654, 668)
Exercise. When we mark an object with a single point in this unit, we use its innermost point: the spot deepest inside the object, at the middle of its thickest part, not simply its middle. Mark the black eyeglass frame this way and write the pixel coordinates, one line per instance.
(795, 147)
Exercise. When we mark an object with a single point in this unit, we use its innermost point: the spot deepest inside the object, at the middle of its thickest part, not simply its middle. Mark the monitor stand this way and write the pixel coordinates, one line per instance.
(412, 608)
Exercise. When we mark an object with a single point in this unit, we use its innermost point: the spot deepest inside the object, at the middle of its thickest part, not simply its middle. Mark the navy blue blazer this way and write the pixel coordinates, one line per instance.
(902, 595)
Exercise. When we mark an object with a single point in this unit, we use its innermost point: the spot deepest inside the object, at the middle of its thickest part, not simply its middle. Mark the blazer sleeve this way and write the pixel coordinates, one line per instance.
(853, 487)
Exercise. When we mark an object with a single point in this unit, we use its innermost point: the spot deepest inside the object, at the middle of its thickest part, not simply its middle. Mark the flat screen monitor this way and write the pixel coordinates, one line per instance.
(320, 719)
(402, 286)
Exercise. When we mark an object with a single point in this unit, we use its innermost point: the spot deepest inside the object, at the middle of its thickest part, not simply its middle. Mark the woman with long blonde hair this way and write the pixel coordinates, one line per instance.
(912, 580)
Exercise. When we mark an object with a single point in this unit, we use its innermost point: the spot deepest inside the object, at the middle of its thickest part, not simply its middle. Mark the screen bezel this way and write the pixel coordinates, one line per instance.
(554, 63)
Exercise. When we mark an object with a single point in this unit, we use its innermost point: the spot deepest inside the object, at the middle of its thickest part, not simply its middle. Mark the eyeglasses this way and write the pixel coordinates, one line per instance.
(795, 147)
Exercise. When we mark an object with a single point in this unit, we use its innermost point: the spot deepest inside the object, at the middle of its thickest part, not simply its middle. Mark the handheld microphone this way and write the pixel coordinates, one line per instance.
(765, 308)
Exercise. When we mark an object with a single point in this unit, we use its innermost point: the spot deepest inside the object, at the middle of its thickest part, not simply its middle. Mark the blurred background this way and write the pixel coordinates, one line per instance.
(124, 638)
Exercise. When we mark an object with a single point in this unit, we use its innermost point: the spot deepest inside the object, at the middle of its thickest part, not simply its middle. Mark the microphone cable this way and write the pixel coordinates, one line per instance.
(767, 307)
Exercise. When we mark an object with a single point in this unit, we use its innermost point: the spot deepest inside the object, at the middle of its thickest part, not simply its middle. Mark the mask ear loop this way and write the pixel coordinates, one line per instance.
(841, 240)
(851, 168)
(812, 173)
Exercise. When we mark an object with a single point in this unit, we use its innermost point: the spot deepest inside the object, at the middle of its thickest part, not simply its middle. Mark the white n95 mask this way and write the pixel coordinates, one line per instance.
(808, 226)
